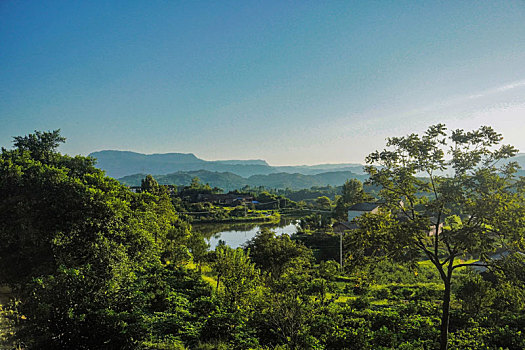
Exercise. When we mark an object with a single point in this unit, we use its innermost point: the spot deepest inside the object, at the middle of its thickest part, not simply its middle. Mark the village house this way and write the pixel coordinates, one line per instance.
(362, 208)
(355, 211)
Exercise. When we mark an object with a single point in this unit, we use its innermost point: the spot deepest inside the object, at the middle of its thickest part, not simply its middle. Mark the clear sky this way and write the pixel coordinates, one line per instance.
(291, 82)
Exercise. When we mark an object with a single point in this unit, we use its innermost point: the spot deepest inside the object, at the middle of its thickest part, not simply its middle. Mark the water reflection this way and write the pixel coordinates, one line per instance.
(235, 235)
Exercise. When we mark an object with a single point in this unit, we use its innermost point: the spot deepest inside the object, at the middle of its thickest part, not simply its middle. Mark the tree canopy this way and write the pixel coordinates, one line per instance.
(75, 243)
(447, 196)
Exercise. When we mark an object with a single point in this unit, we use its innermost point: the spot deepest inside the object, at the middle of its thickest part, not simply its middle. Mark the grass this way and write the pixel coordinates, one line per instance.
(343, 298)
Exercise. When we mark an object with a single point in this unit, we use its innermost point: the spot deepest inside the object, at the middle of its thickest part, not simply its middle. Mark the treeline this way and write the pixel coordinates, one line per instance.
(229, 181)
(326, 197)
(199, 202)
(312, 193)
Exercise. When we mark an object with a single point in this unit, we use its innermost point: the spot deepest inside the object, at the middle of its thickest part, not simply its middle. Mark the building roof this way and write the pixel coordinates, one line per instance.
(364, 206)
(344, 226)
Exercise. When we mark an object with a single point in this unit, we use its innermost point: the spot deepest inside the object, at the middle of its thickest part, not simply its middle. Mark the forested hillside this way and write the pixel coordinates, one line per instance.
(229, 181)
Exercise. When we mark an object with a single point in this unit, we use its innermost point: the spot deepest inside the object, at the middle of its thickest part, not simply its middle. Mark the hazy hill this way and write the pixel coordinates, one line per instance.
(122, 163)
(242, 162)
(229, 181)
(321, 168)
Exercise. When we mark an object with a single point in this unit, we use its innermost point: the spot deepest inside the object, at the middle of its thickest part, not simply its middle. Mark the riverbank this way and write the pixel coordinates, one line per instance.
(273, 218)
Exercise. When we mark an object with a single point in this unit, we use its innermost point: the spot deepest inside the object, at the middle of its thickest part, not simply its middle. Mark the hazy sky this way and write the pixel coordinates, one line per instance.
(291, 82)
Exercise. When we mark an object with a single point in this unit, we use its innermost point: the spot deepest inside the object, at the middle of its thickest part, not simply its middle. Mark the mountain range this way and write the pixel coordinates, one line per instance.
(179, 168)
(118, 164)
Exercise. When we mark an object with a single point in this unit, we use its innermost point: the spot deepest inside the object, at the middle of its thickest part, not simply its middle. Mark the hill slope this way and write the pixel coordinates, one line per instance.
(229, 181)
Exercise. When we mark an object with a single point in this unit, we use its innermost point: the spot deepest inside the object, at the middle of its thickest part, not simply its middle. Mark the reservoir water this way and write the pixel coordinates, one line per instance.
(235, 235)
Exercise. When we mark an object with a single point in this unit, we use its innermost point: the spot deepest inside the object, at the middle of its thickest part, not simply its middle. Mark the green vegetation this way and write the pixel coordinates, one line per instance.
(87, 264)
(230, 181)
(476, 211)
(199, 203)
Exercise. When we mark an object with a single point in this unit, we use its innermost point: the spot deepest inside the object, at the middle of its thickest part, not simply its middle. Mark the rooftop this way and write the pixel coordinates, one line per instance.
(364, 206)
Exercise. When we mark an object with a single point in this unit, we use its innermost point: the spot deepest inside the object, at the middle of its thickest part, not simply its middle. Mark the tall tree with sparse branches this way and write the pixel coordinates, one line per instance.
(449, 196)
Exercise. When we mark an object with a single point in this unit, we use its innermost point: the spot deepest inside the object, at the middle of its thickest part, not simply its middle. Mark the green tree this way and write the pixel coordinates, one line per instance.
(352, 193)
(150, 185)
(274, 254)
(54, 208)
(324, 284)
(198, 248)
(237, 273)
(267, 200)
(75, 245)
(40, 145)
(474, 210)
(285, 319)
(324, 202)
(158, 217)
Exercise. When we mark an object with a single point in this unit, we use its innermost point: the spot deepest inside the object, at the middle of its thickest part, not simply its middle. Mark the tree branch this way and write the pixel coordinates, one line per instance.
(447, 259)
(470, 264)
(424, 248)
(429, 172)
(436, 236)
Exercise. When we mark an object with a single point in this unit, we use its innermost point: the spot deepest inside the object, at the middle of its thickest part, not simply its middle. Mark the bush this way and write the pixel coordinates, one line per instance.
(382, 293)
(360, 303)
(360, 289)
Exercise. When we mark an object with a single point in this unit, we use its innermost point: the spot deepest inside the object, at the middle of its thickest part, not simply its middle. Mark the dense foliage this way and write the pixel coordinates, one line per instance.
(92, 265)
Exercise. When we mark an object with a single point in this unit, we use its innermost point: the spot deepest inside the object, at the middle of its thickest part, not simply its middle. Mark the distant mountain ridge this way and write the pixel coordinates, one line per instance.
(229, 181)
(242, 162)
(118, 164)
(179, 168)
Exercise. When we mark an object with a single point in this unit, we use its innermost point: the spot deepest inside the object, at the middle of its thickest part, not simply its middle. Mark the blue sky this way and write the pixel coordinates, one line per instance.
(291, 82)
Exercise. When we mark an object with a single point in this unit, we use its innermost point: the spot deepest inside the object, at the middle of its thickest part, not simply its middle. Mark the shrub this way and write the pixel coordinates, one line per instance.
(382, 293)
(360, 303)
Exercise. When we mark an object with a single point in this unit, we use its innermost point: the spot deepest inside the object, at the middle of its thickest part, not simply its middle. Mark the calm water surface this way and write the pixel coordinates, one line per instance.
(235, 235)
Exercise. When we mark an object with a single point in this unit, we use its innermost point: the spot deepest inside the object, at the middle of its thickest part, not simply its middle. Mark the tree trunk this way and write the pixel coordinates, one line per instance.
(443, 340)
